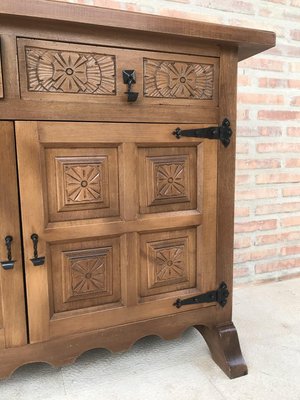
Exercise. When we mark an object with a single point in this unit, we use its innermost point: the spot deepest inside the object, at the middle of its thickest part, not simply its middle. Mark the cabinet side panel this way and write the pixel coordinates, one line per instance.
(1, 79)
(12, 281)
(226, 177)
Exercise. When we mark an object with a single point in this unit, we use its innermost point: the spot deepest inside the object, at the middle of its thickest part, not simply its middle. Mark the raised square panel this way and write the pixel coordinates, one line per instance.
(179, 79)
(168, 261)
(81, 183)
(168, 179)
(85, 275)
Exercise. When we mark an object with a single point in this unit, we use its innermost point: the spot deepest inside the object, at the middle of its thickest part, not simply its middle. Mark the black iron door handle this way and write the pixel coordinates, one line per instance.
(129, 78)
(222, 133)
(9, 263)
(36, 260)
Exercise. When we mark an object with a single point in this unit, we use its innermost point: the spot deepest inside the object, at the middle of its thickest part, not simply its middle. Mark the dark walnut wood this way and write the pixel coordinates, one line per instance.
(223, 343)
(129, 218)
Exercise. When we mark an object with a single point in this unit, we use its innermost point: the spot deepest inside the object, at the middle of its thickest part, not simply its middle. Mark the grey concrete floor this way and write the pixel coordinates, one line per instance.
(268, 321)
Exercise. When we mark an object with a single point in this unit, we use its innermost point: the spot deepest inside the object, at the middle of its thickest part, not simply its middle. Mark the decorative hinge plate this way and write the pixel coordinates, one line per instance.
(220, 296)
(222, 133)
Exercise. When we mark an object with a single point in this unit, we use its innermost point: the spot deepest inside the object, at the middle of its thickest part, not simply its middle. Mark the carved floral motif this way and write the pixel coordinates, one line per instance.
(170, 180)
(88, 275)
(69, 72)
(173, 79)
(169, 264)
(83, 183)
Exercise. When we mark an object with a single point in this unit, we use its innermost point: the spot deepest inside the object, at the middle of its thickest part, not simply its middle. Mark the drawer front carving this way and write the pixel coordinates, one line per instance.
(58, 68)
(178, 79)
(69, 72)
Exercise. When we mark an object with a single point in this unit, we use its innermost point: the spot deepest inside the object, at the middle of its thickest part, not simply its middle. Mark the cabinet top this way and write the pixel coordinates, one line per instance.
(248, 41)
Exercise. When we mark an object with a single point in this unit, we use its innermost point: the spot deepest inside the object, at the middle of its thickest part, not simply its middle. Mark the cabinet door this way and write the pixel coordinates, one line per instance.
(12, 296)
(126, 219)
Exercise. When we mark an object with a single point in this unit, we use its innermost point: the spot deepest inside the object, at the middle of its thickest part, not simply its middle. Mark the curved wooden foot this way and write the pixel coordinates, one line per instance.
(223, 343)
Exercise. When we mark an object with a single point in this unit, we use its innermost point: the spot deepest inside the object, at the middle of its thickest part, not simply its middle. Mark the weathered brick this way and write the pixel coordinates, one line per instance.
(244, 80)
(293, 131)
(295, 34)
(292, 163)
(278, 115)
(263, 63)
(290, 221)
(295, 101)
(253, 226)
(270, 131)
(245, 256)
(294, 84)
(242, 242)
(241, 212)
(255, 164)
(277, 238)
(242, 148)
(277, 265)
(294, 67)
(272, 83)
(277, 178)
(291, 191)
(256, 194)
(240, 272)
(278, 147)
(255, 98)
(295, 3)
(277, 208)
(290, 250)
(242, 179)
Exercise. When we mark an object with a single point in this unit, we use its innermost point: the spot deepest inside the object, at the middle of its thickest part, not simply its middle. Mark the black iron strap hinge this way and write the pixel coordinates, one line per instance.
(220, 296)
(222, 133)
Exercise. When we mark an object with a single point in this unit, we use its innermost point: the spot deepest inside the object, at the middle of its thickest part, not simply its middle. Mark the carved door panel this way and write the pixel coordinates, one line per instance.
(126, 219)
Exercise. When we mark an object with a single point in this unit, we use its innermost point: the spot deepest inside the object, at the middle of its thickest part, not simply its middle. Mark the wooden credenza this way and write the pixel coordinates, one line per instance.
(114, 224)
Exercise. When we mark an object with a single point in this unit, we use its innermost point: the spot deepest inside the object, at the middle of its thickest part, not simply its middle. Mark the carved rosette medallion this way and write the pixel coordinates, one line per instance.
(169, 263)
(170, 181)
(87, 273)
(83, 183)
(56, 71)
(174, 79)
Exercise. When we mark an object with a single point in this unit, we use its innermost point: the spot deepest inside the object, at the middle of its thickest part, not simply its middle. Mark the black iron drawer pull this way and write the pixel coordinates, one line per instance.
(9, 263)
(219, 296)
(129, 77)
(36, 260)
(222, 133)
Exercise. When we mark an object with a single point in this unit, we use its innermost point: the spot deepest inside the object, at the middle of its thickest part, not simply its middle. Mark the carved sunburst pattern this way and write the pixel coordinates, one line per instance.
(83, 183)
(70, 72)
(170, 180)
(169, 264)
(178, 79)
(88, 275)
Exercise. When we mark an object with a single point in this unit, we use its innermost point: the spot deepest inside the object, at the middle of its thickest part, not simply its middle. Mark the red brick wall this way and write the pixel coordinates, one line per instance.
(267, 216)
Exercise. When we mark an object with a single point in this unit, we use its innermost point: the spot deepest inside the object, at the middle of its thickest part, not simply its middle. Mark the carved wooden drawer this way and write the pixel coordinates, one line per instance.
(65, 72)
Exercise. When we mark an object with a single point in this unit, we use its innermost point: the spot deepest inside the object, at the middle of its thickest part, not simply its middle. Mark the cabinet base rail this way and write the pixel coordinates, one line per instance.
(222, 341)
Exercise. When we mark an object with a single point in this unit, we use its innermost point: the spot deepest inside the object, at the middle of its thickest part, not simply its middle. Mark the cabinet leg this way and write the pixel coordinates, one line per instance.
(223, 343)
